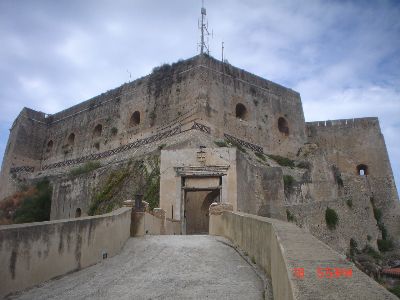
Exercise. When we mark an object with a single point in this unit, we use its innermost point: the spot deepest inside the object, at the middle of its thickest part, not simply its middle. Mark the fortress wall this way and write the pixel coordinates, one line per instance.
(24, 148)
(162, 98)
(35, 252)
(350, 143)
(265, 103)
(259, 189)
(356, 222)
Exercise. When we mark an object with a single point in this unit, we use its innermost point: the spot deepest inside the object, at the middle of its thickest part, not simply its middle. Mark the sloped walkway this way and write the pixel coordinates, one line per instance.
(160, 267)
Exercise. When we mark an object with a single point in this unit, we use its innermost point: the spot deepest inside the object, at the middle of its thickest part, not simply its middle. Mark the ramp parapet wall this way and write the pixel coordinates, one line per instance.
(35, 252)
(281, 248)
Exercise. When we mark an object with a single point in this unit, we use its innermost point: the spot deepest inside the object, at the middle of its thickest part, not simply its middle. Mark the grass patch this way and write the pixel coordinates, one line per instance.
(395, 290)
(36, 207)
(331, 218)
(260, 156)
(221, 143)
(282, 161)
(303, 165)
(85, 168)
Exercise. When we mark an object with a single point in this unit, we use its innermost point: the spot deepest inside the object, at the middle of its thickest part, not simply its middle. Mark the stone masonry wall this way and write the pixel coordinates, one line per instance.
(224, 87)
(347, 144)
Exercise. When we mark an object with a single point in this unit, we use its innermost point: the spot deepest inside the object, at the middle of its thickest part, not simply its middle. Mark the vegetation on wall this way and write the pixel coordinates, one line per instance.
(331, 218)
(349, 203)
(32, 204)
(142, 175)
(290, 217)
(230, 143)
(221, 143)
(288, 183)
(353, 247)
(337, 175)
(282, 161)
(303, 165)
(85, 168)
(384, 244)
(151, 189)
(260, 156)
(102, 201)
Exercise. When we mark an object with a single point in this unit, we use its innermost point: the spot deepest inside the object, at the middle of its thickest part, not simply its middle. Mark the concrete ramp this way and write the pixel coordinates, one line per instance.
(160, 267)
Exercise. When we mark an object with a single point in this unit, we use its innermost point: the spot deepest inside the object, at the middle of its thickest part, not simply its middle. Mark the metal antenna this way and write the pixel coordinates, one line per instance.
(222, 52)
(203, 26)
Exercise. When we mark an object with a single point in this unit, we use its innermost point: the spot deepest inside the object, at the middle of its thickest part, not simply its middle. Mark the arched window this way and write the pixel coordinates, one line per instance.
(283, 126)
(71, 139)
(49, 146)
(362, 170)
(78, 212)
(241, 111)
(135, 119)
(97, 130)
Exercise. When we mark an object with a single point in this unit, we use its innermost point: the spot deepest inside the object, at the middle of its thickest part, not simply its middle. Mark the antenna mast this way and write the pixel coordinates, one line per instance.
(203, 26)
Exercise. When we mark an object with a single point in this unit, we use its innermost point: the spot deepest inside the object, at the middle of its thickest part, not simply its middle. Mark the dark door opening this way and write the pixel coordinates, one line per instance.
(197, 203)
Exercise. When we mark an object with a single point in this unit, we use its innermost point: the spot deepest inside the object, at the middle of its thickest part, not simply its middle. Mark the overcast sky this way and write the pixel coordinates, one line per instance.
(342, 56)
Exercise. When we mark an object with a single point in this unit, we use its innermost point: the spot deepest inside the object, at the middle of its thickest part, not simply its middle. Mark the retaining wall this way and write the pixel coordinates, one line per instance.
(144, 223)
(280, 248)
(36, 252)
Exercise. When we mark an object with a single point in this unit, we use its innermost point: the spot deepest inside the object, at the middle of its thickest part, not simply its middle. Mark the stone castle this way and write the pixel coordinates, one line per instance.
(201, 131)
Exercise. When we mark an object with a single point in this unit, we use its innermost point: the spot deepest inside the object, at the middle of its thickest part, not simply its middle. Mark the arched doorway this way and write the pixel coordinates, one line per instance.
(197, 203)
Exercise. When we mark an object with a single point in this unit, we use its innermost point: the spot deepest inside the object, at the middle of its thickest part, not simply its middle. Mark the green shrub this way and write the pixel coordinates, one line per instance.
(35, 208)
(290, 217)
(85, 168)
(369, 238)
(162, 146)
(383, 230)
(114, 131)
(221, 143)
(371, 252)
(385, 245)
(349, 203)
(282, 161)
(288, 182)
(331, 218)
